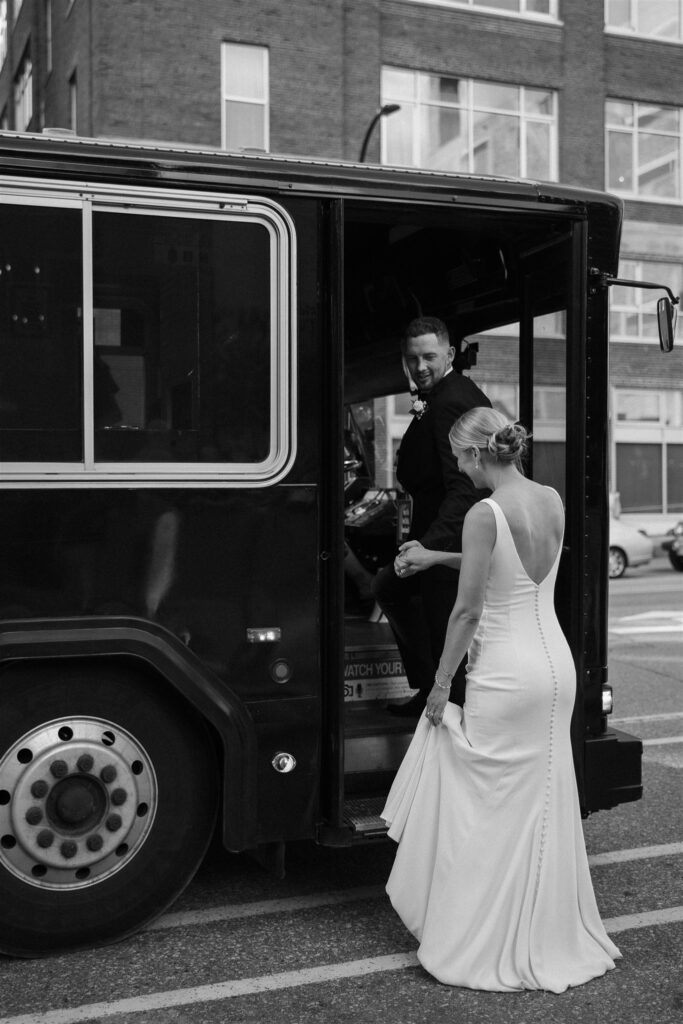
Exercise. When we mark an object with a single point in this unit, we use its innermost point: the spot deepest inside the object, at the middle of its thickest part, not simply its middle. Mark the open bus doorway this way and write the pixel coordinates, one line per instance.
(502, 286)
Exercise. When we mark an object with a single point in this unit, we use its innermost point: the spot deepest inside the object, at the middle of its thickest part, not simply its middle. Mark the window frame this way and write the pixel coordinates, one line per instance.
(419, 105)
(633, 32)
(635, 135)
(73, 100)
(553, 17)
(256, 101)
(90, 199)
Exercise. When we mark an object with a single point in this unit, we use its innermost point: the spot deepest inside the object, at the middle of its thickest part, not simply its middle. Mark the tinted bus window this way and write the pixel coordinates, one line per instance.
(41, 334)
(182, 315)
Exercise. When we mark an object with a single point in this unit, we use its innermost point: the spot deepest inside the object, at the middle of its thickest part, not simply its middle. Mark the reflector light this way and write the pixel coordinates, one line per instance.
(607, 701)
(264, 634)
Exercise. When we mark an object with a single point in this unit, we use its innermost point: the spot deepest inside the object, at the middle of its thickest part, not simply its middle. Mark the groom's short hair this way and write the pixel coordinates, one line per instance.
(427, 325)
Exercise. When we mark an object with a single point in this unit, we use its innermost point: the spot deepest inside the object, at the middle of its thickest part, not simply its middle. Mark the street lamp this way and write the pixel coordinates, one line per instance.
(388, 108)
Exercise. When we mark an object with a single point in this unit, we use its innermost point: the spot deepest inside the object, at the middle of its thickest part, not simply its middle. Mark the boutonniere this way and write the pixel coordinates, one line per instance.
(418, 406)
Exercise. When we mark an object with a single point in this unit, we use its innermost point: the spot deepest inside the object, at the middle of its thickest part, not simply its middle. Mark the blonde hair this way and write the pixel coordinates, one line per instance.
(487, 429)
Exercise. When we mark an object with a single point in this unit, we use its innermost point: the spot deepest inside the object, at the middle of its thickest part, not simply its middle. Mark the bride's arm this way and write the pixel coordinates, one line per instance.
(412, 557)
(478, 538)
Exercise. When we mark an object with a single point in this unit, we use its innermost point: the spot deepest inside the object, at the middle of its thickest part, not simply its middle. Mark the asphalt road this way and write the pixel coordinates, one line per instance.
(324, 946)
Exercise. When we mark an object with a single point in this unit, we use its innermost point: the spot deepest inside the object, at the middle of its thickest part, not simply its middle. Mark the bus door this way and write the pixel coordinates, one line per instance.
(502, 282)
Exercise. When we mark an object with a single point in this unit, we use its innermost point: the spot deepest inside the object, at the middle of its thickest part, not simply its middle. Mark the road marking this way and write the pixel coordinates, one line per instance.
(292, 904)
(633, 630)
(637, 853)
(669, 915)
(648, 622)
(256, 909)
(646, 718)
(672, 614)
(662, 741)
(289, 979)
(221, 990)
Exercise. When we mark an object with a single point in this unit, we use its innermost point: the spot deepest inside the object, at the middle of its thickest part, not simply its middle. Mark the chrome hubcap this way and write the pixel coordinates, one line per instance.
(77, 800)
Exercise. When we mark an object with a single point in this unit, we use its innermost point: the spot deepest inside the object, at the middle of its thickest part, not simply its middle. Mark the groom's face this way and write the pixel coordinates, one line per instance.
(427, 360)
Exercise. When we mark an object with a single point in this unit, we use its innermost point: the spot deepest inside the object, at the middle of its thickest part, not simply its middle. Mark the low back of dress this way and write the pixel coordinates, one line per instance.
(521, 677)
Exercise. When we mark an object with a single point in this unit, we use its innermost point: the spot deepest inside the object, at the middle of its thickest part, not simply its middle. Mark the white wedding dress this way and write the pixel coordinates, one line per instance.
(491, 873)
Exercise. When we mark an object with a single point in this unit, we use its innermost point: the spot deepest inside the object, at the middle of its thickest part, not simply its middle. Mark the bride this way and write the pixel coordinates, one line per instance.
(491, 873)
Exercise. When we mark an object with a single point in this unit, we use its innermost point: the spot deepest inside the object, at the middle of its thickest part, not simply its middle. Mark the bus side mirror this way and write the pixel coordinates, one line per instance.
(666, 322)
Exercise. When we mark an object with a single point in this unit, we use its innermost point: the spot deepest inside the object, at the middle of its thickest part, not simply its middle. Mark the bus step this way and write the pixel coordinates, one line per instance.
(362, 815)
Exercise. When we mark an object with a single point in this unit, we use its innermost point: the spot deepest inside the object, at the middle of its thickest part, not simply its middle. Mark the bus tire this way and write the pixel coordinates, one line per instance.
(108, 800)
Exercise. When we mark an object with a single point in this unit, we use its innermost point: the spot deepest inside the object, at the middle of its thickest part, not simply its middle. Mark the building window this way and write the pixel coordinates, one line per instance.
(461, 124)
(73, 102)
(23, 95)
(638, 406)
(643, 150)
(3, 30)
(245, 87)
(523, 8)
(633, 311)
(655, 19)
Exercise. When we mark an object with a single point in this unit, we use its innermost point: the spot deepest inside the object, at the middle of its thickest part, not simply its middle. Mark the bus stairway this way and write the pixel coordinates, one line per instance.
(362, 816)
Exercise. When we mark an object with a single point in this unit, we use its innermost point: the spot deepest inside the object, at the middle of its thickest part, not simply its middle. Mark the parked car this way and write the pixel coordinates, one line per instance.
(673, 545)
(627, 547)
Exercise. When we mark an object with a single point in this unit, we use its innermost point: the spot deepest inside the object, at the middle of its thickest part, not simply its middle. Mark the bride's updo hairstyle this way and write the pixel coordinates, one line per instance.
(489, 430)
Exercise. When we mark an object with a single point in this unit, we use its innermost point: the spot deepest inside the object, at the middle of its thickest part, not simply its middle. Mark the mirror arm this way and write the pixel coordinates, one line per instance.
(605, 280)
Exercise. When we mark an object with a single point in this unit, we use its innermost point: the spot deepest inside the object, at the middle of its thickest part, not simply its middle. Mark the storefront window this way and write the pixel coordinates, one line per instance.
(639, 476)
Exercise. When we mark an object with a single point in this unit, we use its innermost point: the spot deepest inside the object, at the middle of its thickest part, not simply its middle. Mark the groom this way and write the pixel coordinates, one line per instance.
(418, 607)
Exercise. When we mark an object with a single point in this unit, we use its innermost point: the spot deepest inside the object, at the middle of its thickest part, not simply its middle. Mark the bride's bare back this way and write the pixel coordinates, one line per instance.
(536, 519)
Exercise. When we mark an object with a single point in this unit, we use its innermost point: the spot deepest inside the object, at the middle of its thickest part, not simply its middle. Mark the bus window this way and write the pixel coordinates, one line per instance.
(41, 334)
(182, 329)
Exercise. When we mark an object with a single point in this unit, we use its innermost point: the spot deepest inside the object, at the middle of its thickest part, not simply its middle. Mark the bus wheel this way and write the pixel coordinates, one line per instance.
(108, 800)
(617, 563)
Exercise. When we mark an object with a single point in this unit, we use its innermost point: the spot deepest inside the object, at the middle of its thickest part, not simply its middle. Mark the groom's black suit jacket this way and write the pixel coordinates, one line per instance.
(428, 470)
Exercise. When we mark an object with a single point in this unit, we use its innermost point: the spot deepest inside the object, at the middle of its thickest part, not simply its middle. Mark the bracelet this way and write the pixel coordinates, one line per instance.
(441, 686)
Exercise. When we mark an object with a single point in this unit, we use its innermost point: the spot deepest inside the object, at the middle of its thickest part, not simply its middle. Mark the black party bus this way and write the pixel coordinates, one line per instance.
(201, 399)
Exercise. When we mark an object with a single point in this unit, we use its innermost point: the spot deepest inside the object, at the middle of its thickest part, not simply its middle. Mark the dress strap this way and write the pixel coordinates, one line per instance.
(497, 512)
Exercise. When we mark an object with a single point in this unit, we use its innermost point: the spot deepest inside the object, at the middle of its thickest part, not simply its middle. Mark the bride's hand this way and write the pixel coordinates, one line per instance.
(403, 563)
(436, 704)
(412, 557)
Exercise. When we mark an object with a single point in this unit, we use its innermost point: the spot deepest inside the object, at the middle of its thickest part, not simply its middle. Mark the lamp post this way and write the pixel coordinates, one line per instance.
(388, 108)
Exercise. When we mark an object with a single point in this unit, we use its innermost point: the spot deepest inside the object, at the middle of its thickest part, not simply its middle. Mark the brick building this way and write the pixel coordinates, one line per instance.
(573, 90)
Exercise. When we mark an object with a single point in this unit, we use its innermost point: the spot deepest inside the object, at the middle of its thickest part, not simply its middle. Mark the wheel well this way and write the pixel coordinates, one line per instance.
(153, 680)
(163, 661)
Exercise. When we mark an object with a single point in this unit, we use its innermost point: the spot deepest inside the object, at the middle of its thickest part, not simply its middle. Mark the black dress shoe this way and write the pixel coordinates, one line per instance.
(412, 708)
